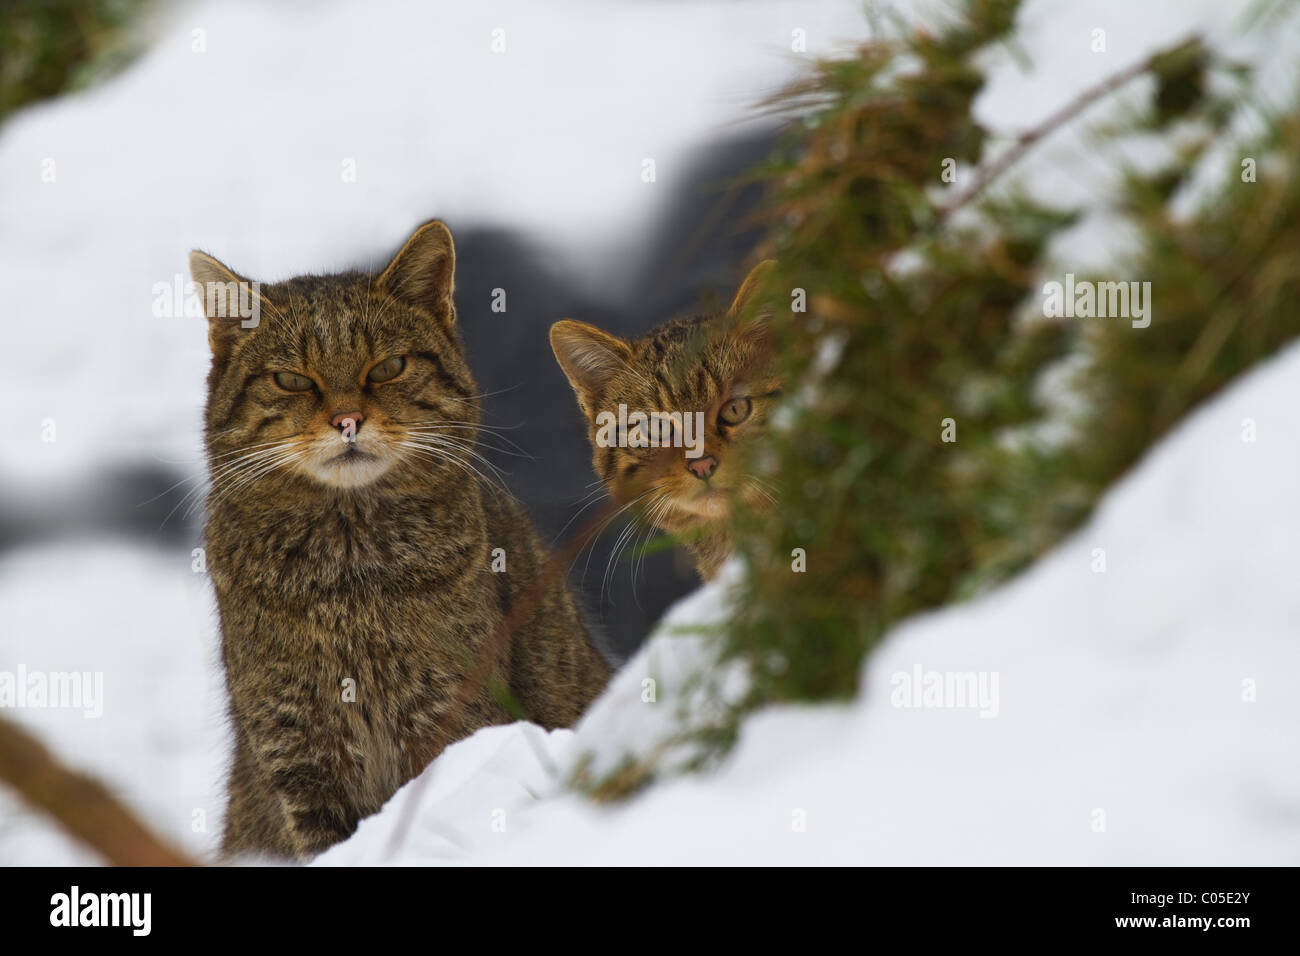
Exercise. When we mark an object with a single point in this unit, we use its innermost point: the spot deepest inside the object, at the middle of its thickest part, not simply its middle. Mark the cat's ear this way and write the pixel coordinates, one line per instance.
(750, 313)
(588, 356)
(423, 273)
(231, 303)
(749, 304)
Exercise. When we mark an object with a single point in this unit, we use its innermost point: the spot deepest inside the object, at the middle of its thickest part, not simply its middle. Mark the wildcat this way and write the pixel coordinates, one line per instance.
(353, 549)
(719, 370)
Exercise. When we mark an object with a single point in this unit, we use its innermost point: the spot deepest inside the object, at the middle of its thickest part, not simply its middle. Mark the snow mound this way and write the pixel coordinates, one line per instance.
(1133, 698)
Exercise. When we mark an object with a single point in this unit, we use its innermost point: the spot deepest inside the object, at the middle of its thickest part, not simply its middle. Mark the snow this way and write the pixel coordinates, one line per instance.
(1145, 714)
(147, 623)
(1119, 692)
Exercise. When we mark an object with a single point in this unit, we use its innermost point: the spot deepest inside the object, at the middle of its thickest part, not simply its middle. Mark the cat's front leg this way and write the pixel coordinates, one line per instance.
(318, 813)
(300, 760)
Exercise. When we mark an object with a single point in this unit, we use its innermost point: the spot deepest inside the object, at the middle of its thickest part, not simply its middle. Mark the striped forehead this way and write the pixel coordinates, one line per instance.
(329, 327)
(687, 356)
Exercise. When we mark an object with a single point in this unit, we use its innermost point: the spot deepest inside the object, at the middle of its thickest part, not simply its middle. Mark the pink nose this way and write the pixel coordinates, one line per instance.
(340, 421)
(702, 467)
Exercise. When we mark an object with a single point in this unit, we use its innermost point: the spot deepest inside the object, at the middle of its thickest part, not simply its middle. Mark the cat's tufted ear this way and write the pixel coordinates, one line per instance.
(748, 303)
(588, 356)
(750, 313)
(232, 304)
(423, 273)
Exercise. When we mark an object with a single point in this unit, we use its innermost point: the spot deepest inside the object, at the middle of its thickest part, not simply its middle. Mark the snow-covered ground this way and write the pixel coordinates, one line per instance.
(1144, 714)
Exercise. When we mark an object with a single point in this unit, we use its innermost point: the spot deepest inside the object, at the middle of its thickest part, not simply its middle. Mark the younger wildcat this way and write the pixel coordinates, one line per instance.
(719, 365)
(355, 555)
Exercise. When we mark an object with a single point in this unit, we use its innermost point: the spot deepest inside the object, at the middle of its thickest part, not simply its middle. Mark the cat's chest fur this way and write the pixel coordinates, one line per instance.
(344, 547)
(371, 610)
(372, 588)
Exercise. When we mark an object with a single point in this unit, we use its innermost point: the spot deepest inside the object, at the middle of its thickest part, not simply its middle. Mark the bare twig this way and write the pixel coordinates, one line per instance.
(1028, 139)
(80, 803)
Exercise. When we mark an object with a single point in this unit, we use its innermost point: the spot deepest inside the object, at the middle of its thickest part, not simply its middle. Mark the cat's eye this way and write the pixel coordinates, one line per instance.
(736, 411)
(293, 382)
(387, 370)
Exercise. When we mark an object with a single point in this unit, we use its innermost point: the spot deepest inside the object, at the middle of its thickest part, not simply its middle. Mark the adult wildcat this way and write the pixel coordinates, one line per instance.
(715, 370)
(360, 566)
